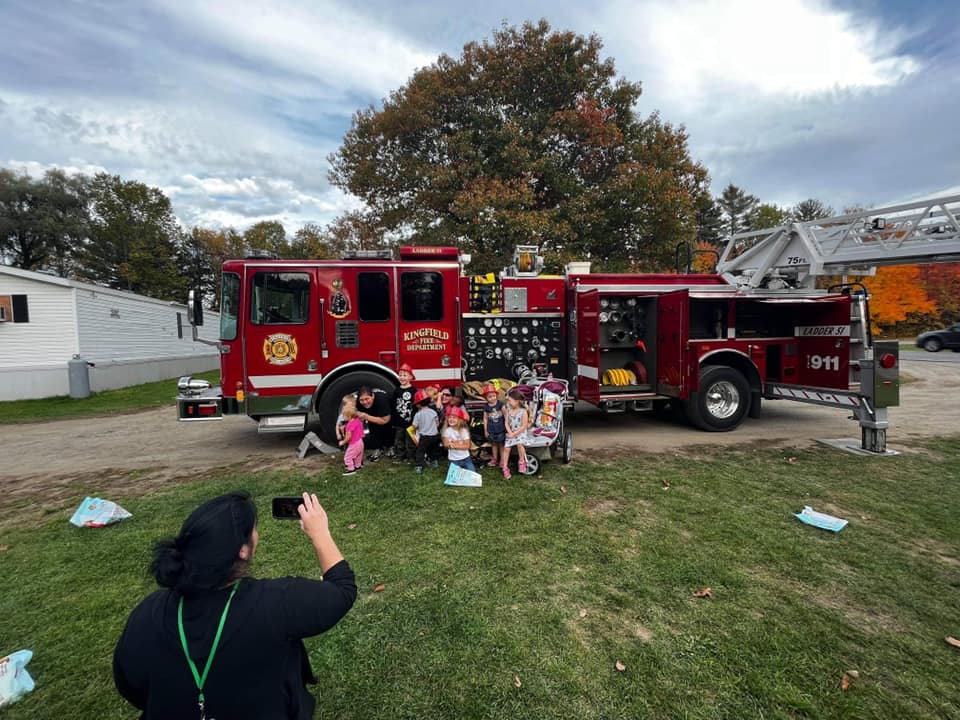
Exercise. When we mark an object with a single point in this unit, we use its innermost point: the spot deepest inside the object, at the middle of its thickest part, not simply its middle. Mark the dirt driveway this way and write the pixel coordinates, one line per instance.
(135, 452)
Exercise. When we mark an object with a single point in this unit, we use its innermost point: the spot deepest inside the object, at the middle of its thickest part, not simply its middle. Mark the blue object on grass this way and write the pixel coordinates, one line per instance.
(820, 520)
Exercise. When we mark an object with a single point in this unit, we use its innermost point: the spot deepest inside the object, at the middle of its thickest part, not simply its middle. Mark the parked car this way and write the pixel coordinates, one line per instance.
(936, 340)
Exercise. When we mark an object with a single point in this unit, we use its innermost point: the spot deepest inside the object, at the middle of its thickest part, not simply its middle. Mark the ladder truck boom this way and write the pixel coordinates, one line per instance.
(791, 256)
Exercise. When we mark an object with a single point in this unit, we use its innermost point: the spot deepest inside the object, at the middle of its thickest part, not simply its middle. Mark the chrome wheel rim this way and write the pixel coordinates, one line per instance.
(723, 400)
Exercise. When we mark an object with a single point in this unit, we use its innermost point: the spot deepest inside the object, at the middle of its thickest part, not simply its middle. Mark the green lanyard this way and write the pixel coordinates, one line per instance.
(202, 679)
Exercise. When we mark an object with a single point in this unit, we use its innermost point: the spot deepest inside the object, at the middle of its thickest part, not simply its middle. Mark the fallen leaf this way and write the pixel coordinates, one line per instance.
(620, 666)
(380, 588)
(583, 612)
(4, 548)
(844, 683)
(352, 526)
(952, 641)
(704, 593)
(853, 673)
(563, 490)
(516, 681)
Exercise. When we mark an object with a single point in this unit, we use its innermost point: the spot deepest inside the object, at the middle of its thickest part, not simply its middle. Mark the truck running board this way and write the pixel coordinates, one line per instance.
(282, 423)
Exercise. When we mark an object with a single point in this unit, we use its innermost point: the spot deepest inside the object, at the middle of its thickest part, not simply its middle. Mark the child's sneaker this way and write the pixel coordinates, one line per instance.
(522, 467)
(348, 471)
(434, 464)
(418, 469)
(506, 474)
(492, 463)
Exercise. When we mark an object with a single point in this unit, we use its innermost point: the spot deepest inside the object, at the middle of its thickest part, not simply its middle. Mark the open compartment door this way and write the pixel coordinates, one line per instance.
(673, 314)
(587, 313)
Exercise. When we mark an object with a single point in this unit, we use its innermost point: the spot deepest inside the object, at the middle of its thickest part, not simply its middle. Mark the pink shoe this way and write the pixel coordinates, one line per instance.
(522, 467)
(492, 463)
(506, 474)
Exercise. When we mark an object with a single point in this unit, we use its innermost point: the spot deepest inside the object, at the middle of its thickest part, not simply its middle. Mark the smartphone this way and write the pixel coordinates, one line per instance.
(285, 508)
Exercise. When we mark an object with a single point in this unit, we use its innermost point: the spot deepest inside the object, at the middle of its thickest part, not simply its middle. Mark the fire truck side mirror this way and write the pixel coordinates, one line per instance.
(195, 308)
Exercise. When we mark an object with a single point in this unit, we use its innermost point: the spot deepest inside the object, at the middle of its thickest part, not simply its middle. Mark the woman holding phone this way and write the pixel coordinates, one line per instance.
(215, 643)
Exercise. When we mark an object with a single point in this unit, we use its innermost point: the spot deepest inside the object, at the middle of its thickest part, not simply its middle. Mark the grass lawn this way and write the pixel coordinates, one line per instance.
(548, 582)
(138, 397)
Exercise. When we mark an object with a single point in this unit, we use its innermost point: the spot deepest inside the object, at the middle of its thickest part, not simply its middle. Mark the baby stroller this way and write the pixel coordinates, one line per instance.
(546, 435)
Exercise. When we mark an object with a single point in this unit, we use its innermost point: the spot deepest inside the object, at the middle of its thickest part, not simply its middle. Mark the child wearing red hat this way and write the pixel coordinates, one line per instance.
(402, 414)
(456, 438)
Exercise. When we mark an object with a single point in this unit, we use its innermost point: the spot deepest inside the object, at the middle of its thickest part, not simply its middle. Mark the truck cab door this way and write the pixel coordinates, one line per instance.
(428, 322)
(673, 329)
(280, 352)
(586, 313)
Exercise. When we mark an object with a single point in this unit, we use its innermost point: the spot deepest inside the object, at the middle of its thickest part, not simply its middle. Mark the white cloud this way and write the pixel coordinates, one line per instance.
(322, 40)
(700, 49)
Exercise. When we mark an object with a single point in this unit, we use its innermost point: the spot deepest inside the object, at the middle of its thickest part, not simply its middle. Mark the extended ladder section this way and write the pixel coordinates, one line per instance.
(790, 257)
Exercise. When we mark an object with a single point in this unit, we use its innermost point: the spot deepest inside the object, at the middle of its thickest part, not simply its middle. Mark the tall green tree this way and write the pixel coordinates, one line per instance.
(133, 239)
(268, 235)
(811, 209)
(709, 220)
(66, 221)
(767, 216)
(528, 138)
(23, 203)
(736, 205)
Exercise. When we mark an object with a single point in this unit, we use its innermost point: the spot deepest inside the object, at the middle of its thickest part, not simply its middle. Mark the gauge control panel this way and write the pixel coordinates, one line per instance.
(509, 345)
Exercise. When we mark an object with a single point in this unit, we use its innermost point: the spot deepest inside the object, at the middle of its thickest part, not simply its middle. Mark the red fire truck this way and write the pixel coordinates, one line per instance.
(296, 336)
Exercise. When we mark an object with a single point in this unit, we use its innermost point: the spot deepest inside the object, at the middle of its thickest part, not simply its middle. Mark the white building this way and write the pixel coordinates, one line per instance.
(132, 339)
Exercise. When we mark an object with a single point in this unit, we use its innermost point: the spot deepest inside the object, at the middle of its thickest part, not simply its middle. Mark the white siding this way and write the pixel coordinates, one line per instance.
(50, 338)
(120, 327)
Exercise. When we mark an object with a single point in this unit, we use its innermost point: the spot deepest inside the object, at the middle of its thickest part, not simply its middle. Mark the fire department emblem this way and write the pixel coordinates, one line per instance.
(339, 302)
(280, 349)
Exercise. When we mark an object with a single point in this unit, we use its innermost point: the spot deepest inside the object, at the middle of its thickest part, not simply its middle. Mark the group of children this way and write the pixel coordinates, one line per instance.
(439, 420)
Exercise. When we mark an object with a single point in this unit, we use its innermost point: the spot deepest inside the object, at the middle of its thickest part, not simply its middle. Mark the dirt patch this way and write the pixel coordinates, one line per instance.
(140, 452)
(927, 548)
(602, 507)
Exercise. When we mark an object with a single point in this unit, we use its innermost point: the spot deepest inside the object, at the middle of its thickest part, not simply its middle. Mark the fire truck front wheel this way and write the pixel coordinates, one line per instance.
(722, 401)
(328, 404)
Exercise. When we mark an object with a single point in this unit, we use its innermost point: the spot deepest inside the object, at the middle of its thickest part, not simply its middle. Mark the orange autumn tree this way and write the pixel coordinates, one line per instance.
(942, 283)
(896, 294)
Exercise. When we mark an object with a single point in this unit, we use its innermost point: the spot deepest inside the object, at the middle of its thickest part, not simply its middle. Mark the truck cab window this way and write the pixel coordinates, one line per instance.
(421, 296)
(229, 304)
(280, 298)
(373, 296)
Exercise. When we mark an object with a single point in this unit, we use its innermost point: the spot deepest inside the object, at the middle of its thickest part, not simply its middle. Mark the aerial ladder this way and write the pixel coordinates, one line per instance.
(789, 258)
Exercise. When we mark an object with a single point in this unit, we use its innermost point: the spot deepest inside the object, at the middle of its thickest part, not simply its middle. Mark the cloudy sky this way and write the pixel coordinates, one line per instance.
(232, 106)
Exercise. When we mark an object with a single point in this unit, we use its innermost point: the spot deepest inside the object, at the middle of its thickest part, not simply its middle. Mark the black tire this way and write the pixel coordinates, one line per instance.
(723, 400)
(328, 405)
(567, 448)
(933, 345)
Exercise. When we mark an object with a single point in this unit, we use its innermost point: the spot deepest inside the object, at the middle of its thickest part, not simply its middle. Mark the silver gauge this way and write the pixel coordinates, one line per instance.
(471, 331)
(503, 331)
(472, 344)
(483, 331)
(525, 330)
(488, 322)
(497, 351)
(535, 323)
(631, 302)
(603, 318)
(489, 354)
(543, 349)
(604, 302)
(514, 330)
(507, 354)
(497, 322)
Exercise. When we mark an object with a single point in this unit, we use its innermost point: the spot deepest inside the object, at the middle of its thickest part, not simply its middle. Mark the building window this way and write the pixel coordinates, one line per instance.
(280, 299)
(13, 308)
(421, 296)
(373, 296)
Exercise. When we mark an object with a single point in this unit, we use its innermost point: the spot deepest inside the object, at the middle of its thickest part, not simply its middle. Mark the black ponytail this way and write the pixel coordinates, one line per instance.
(204, 556)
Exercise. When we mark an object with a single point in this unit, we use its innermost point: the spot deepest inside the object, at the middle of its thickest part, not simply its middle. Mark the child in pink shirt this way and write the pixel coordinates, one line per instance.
(353, 439)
